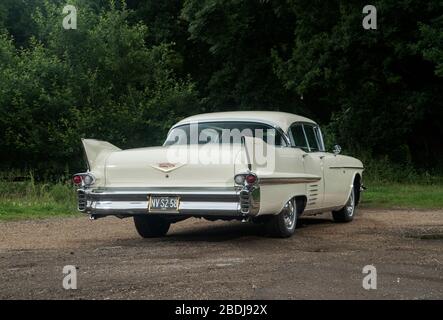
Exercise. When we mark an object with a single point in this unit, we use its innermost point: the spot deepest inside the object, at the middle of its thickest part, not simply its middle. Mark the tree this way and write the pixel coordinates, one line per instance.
(99, 81)
(237, 71)
(378, 85)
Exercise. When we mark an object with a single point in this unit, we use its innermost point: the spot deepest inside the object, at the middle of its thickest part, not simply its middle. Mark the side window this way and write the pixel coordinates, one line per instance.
(314, 144)
(272, 135)
(319, 138)
(299, 137)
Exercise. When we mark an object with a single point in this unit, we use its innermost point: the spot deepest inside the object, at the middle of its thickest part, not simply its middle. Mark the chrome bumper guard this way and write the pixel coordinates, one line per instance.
(193, 201)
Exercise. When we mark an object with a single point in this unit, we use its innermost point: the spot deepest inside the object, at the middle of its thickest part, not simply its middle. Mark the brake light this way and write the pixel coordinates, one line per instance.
(77, 179)
(251, 179)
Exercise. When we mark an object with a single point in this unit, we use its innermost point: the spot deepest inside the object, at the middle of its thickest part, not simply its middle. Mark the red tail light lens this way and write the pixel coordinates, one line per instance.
(251, 179)
(77, 180)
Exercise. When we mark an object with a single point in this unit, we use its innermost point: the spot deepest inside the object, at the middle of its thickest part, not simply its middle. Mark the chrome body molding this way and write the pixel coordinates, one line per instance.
(346, 167)
(250, 200)
(287, 180)
(226, 202)
(312, 212)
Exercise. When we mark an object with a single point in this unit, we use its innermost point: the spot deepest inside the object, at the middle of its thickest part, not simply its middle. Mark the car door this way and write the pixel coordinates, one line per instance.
(334, 177)
(303, 137)
(337, 186)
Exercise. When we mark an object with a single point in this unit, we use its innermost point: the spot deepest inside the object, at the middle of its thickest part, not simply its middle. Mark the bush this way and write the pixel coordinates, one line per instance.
(383, 171)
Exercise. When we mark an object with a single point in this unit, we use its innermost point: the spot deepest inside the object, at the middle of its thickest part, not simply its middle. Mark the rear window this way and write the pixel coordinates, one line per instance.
(223, 132)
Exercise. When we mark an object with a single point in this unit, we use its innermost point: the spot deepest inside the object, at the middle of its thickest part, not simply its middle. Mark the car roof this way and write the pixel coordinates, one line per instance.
(275, 118)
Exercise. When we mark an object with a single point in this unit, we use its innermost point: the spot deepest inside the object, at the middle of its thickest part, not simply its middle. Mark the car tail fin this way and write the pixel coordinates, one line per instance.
(97, 151)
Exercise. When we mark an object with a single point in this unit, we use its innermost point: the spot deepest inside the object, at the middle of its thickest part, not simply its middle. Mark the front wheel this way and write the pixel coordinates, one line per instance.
(151, 226)
(346, 214)
(283, 225)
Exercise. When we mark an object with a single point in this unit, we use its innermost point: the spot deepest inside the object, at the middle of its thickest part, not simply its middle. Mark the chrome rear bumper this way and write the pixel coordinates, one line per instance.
(193, 201)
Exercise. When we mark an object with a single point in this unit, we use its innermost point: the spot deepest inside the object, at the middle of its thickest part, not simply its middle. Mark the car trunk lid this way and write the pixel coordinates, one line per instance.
(211, 165)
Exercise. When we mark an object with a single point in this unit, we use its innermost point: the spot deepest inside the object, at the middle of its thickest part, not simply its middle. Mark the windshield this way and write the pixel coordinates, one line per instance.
(223, 132)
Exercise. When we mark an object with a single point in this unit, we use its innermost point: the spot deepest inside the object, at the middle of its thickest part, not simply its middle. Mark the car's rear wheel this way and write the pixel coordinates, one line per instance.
(151, 226)
(283, 225)
(346, 214)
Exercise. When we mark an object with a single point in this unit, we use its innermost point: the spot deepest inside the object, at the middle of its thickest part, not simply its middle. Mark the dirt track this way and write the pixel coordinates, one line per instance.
(225, 260)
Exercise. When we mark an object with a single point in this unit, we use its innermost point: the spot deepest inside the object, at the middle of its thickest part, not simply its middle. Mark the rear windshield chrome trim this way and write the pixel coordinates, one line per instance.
(269, 123)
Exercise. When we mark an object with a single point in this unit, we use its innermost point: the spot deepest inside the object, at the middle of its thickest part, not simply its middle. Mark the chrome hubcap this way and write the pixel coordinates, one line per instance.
(350, 204)
(289, 214)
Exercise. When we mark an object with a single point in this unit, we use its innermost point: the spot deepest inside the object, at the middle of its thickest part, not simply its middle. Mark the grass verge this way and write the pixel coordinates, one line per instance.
(396, 195)
(30, 200)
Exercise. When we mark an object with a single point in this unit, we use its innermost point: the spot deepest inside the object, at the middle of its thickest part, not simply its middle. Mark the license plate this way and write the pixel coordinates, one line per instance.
(163, 204)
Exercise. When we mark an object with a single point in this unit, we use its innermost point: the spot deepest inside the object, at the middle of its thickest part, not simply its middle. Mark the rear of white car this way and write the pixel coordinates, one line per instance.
(165, 180)
(227, 166)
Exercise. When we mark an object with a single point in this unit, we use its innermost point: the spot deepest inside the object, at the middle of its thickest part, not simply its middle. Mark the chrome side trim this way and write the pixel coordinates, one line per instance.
(287, 180)
(309, 212)
(345, 167)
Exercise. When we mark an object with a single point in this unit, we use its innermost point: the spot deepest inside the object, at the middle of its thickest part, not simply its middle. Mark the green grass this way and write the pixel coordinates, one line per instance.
(31, 200)
(396, 195)
(19, 210)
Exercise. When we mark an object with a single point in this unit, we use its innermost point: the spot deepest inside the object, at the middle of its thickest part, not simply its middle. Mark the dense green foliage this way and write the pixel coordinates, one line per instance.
(102, 80)
(133, 68)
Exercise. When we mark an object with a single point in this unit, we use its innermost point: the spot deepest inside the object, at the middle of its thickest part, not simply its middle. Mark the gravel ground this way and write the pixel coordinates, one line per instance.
(226, 260)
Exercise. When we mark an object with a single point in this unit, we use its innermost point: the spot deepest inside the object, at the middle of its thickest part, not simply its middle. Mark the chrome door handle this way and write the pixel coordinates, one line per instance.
(321, 157)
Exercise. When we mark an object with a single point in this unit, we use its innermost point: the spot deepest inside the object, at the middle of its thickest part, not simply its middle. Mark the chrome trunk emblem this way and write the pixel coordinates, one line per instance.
(167, 166)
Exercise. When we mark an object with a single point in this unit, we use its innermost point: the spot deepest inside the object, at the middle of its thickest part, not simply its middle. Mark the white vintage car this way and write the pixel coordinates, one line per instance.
(265, 167)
